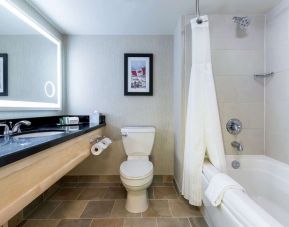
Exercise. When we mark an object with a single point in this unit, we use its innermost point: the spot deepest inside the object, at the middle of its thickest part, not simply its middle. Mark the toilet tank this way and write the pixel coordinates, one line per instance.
(138, 140)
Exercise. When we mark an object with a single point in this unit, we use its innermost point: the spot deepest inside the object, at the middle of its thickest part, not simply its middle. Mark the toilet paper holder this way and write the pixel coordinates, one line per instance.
(96, 140)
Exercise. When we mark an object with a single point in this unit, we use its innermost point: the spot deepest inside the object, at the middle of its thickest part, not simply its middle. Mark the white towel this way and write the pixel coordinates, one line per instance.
(218, 185)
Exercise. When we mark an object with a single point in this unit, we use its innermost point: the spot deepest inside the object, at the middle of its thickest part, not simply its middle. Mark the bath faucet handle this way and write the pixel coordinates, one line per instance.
(237, 145)
(234, 126)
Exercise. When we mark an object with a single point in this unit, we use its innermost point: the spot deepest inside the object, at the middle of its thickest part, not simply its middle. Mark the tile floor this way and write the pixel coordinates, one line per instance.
(89, 203)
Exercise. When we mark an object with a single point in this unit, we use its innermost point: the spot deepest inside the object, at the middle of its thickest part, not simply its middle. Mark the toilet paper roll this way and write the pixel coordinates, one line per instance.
(106, 142)
(96, 149)
(99, 147)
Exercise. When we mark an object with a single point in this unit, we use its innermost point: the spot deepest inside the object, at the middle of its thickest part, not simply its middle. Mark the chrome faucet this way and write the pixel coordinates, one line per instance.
(6, 129)
(16, 127)
(237, 145)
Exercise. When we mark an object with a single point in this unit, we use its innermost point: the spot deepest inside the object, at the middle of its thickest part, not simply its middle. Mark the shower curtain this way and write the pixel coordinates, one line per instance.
(203, 131)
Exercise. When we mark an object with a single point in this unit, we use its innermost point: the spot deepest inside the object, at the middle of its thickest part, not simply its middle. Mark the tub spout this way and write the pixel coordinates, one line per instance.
(237, 145)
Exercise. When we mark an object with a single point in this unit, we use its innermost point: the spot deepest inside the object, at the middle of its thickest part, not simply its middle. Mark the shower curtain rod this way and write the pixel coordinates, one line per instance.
(199, 19)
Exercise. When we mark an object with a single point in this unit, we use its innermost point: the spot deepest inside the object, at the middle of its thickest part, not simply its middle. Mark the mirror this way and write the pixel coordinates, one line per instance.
(30, 62)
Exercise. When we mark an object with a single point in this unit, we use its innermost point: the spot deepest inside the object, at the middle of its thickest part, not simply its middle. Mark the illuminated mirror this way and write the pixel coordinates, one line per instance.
(30, 62)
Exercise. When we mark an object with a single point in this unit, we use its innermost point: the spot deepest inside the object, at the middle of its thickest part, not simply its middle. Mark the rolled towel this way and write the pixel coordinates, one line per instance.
(218, 185)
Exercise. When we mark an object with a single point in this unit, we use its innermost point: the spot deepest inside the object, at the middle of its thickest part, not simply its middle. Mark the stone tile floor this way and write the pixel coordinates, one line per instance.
(93, 204)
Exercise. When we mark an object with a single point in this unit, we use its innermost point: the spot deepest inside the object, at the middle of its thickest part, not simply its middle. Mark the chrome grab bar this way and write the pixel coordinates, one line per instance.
(264, 75)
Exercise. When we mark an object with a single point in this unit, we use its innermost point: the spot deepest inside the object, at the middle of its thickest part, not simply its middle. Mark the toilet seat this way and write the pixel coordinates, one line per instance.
(136, 169)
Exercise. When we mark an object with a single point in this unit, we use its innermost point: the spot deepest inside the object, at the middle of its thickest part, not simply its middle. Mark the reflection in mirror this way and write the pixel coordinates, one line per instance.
(33, 69)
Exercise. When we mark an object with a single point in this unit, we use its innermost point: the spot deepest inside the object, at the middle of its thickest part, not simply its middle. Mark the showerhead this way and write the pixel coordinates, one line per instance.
(242, 22)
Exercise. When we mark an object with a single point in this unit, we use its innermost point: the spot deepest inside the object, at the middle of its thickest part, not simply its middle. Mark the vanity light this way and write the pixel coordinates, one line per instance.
(9, 104)
(28, 20)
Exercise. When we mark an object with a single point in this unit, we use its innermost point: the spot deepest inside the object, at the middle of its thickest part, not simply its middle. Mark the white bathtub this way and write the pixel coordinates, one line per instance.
(266, 202)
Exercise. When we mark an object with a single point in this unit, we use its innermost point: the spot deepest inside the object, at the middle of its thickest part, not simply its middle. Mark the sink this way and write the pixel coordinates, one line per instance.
(38, 134)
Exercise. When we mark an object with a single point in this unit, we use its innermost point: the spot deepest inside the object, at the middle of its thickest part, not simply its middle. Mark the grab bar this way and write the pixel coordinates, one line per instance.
(264, 75)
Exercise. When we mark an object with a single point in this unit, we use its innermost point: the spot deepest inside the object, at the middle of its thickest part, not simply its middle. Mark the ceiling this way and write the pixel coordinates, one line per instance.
(139, 17)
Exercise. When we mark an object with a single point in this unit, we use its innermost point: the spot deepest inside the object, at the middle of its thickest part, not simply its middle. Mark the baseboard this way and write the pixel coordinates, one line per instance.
(158, 180)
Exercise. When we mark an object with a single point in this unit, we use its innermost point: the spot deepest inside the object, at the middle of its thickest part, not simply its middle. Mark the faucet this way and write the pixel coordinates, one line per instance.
(6, 129)
(16, 127)
(237, 145)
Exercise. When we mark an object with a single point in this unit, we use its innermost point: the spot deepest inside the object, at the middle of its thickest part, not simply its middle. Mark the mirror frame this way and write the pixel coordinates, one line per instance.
(11, 105)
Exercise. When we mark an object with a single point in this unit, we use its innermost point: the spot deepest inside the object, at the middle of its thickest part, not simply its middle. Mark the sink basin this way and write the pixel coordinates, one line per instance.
(38, 134)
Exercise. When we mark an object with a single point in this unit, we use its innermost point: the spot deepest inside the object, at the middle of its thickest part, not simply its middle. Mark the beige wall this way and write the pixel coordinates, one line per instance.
(179, 91)
(95, 82)
(236, 57)
(277, 88)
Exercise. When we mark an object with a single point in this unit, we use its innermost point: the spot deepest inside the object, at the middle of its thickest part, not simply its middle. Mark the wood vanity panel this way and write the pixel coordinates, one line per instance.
(23, 181)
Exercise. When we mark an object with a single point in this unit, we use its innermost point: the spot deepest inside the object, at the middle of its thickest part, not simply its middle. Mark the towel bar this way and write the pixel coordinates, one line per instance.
(264, 75)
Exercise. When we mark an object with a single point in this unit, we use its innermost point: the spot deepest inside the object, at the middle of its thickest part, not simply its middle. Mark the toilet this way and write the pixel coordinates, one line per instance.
(136, 173)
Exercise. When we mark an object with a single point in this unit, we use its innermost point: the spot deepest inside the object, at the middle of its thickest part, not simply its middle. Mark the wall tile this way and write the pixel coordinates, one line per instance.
(277, 87)
(277, 29)
(237, 62)
(251, 139)
(240, 88)
(277, 145)
(225, 35)
(277, 116)
(251, 114)
(277, 57)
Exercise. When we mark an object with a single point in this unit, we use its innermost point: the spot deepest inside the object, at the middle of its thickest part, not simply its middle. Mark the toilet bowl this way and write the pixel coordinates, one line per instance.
(137, 172)
(136, 176)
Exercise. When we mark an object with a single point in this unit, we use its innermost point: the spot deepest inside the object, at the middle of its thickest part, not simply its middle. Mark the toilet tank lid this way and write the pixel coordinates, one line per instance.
(138, 129)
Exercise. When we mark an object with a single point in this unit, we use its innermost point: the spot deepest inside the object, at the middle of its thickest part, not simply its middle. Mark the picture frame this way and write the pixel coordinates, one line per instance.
(3, 74)
(138, 74)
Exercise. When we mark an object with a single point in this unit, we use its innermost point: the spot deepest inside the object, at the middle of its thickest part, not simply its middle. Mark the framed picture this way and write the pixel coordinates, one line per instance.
(138, 74)
(3, 74)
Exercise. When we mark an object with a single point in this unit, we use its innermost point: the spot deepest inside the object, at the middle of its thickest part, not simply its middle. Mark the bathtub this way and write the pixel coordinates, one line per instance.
(266, 203)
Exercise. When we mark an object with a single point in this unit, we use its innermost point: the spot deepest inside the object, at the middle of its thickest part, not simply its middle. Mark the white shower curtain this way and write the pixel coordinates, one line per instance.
(203, 130)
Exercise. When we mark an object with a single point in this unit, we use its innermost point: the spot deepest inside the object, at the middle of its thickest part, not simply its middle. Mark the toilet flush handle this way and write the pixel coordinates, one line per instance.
(124, 134)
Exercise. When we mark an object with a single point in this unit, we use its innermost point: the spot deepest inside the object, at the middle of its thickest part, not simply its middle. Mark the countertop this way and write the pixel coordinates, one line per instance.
(13, 149)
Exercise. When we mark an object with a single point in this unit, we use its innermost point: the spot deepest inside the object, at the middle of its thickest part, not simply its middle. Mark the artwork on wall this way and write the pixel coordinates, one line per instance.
(3, 74)
(138, 74)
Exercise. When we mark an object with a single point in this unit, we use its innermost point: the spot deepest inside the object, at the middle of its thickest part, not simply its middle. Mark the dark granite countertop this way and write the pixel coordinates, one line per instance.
(13, 149)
